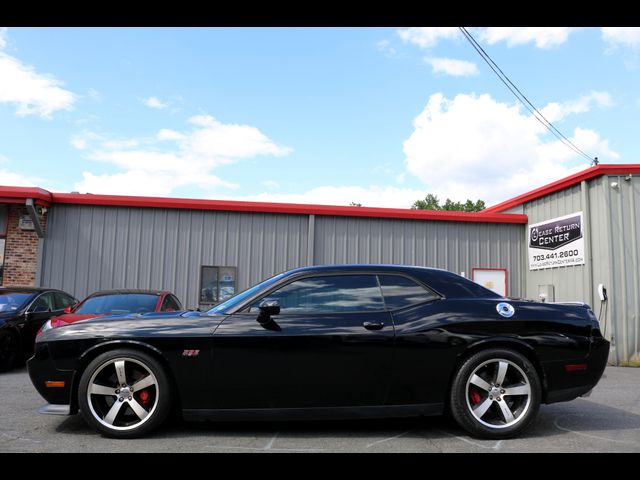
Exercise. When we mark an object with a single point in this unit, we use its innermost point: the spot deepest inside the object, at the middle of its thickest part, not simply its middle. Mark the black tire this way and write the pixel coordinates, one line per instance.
(126, 422)
(467, 401)
(10, 351)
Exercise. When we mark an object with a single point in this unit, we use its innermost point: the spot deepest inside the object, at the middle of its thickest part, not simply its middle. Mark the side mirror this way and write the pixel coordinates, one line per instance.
(267, 308)
(69, 308)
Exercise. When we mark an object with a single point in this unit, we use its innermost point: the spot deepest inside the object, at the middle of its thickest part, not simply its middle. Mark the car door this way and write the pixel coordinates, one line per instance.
(330, 346)
(424, 352)
(41, 309)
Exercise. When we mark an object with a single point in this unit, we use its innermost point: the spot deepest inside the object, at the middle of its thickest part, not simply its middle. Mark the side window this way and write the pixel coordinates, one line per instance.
(63, 300)
(328, 294)
(170, 304)
(45, 300)
(217, 284)
(402, 292)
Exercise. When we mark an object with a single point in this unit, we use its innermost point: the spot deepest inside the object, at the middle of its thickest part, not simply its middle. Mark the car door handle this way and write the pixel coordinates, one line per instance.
(373, 325)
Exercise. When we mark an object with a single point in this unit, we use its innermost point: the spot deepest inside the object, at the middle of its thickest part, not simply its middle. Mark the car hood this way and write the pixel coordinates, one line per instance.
(4, 316)
(136, 325)
(76, 317)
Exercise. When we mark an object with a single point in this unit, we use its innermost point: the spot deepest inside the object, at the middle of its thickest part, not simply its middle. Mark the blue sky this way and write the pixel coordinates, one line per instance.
(379, 116)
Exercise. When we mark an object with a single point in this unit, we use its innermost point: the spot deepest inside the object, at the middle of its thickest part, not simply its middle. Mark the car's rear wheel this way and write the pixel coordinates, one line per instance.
(124, 393)
(9, 350)
(495, 394)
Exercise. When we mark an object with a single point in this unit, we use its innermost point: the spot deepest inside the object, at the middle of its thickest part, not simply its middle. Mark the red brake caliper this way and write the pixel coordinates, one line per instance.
(475, 396)
(144, 396)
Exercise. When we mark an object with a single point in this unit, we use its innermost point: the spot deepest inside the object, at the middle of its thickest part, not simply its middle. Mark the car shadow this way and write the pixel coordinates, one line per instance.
(580, 416)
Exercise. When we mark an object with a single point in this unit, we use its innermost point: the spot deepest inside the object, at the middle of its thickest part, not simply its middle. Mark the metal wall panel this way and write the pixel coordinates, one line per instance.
(612, 244)
(90, 248)
(623, 202)
(456, 246)
(570, 282)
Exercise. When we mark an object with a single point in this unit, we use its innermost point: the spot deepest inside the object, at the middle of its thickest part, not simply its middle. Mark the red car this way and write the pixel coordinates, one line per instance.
(116, 302)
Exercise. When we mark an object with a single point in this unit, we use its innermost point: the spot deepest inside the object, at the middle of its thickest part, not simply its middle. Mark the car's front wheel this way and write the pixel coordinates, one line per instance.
(124, 393)
(495, 394)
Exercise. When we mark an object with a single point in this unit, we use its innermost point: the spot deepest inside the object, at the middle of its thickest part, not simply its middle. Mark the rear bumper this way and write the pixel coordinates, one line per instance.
(563, 385)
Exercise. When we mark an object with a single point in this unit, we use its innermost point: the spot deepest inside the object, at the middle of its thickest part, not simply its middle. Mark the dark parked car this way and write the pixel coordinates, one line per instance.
(116, 302)
(23, 310)
(328, 342)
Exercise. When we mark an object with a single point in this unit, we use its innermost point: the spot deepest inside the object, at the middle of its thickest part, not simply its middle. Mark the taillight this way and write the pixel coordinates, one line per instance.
(52, 323)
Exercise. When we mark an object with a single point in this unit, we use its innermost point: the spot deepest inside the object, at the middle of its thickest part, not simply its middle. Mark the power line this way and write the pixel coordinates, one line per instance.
(520, 96)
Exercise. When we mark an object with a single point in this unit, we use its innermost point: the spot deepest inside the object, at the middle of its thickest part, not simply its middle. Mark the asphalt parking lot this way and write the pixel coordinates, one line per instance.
(608, 421)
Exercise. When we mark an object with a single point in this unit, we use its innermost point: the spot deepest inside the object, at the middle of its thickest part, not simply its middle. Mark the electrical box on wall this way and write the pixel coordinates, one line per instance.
(546, 293)
(25, 223)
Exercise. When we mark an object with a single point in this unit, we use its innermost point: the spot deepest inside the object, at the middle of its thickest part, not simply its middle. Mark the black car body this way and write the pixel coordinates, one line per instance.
(329, 341)
(23, 310)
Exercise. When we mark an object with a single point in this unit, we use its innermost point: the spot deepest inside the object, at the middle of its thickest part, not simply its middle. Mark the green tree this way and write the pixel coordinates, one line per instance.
(431, 202)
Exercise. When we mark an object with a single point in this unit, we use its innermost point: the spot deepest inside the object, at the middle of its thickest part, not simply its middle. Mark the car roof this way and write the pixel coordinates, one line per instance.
(365, 267)
(125, 291)
(22, 289)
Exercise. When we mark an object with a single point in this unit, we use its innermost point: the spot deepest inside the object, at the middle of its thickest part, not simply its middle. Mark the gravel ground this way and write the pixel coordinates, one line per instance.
(608, 421)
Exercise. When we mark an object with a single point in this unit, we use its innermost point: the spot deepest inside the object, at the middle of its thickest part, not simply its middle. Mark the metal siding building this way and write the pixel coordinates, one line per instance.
(88, 242)
(91, 248)
(611, 207)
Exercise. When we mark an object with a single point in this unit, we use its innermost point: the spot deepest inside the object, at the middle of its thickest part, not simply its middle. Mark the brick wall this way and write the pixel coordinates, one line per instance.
(21, 250)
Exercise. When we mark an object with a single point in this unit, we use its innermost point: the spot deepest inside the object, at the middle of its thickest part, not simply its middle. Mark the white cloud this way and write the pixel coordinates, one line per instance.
(557, 111)
(155, 102)
(542, 37)
(157, 165)
(426, 37)
(94, 95)
(622, 36)
(33, 92)
(475, 147)
(372, 196)
(144, 182)
(3, 37)
(13, 179)
(271, 184)
(451, 66)
(385, 47)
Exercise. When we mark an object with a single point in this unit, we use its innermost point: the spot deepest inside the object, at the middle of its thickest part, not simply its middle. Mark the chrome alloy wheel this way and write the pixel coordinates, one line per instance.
(123, 393)
(498, 393)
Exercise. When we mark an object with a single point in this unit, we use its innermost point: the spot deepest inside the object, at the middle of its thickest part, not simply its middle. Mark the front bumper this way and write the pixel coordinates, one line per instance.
(53, 384)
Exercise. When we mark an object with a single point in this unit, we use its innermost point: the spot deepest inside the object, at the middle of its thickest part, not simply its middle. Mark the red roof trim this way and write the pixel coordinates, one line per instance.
(20, 194)
(596, 171)
(291, 208)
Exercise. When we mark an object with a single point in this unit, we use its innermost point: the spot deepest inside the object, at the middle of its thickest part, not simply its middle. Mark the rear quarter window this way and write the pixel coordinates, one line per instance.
(399, 292)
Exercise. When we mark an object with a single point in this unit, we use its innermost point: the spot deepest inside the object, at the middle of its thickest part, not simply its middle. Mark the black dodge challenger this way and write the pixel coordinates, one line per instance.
(327, 342)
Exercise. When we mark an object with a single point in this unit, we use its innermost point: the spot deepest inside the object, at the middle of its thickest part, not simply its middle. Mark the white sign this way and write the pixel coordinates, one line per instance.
(494, 279)
(558, 242)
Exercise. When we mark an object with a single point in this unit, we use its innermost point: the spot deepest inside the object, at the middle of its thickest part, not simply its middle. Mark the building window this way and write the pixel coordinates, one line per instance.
(217, 284)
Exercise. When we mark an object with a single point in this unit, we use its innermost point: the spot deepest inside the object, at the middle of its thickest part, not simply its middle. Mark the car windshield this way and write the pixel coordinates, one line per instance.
(231, 303)
(12, 301)
(119, 304)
